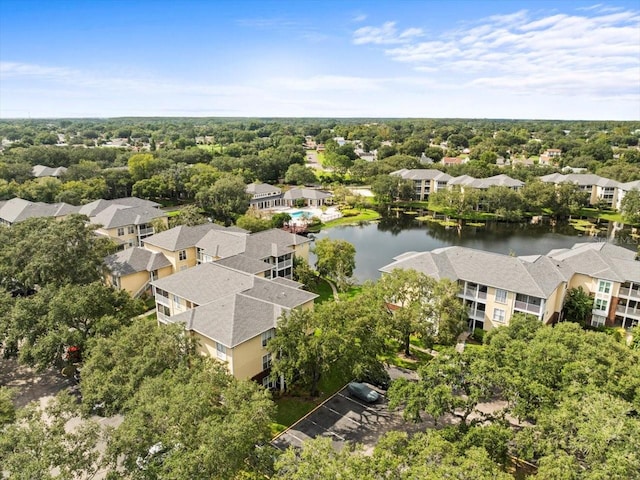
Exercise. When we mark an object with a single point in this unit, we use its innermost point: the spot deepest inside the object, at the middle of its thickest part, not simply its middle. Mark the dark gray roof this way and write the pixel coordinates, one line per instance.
(245, 264)
(134, 260)
(91, 209)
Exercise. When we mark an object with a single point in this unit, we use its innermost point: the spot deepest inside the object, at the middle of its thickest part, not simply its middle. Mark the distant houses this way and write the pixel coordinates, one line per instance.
(598, 188)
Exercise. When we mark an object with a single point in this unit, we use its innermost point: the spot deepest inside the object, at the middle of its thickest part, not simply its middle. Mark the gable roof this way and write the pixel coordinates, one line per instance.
(17, 210)
(231, 320)
(245, 264)
(117, 215)
(307, 193)
(39, 171)
(181, 237)
(264, 244)
(422, 174)
(232, 306)
(537, 278)
(221, 243)
(262, 189)
(134, 260)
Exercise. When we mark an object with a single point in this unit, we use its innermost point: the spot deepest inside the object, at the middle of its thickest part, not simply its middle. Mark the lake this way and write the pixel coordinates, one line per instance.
(377, 243)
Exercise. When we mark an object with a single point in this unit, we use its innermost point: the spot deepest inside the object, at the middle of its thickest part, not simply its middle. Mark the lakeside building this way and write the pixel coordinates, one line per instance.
(493, 286)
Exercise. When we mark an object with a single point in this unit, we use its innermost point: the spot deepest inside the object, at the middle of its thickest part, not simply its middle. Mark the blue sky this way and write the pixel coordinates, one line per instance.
(490, 59)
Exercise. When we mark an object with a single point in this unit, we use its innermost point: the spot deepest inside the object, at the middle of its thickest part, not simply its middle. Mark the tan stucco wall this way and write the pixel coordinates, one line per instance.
(173, 257)
(132, 283)
(248, 358)
(491, 304)
(113, 233)
(554, 303)
(584, 281)
(302, 251)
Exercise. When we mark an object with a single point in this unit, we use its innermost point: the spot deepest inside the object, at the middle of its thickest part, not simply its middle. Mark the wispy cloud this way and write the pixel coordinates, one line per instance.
(386, 34)
(565, 54)
(361, 17)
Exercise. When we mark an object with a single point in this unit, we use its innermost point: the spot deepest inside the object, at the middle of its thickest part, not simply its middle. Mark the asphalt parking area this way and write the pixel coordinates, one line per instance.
(343, 418)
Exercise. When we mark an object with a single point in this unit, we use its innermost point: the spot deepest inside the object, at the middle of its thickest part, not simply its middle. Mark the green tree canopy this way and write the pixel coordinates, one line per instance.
(336, 260)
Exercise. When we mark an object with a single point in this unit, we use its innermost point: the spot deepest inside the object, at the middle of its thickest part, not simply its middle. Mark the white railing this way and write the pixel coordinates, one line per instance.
(528, 307)
(630, 292)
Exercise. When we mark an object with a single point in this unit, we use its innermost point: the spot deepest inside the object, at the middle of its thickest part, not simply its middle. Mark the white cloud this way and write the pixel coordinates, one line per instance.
(595, 53)
(361, 17)
(386, 34)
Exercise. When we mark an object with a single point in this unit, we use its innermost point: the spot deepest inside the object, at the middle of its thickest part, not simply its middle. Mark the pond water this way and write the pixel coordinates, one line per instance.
(377, 243)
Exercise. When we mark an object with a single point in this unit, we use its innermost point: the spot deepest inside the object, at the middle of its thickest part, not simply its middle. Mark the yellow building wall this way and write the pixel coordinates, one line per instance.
(247, 358)
(491, 304)
(554, 303)
(132, 283)
(584, 281)
(113, 233)
(174, 257)
(206, 346)
(302, 251)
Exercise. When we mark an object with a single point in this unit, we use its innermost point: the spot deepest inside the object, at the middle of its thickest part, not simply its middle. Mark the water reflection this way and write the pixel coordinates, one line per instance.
(377, 243)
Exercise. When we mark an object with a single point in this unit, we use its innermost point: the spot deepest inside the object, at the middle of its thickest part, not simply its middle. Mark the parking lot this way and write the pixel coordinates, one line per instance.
(344, 418)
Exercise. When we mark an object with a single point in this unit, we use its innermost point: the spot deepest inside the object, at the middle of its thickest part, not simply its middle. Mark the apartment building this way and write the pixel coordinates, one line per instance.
(425, 181)
(598, 188)
(231, 314)
(494, 287)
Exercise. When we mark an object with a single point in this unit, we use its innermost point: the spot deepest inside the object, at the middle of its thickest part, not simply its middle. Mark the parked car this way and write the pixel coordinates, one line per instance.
(362, 392)
(376, 376)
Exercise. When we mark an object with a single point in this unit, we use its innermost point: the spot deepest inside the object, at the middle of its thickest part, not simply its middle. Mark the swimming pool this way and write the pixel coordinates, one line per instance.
(299, 214)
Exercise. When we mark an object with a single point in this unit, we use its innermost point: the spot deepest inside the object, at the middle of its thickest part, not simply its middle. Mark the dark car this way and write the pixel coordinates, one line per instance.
(363, 392)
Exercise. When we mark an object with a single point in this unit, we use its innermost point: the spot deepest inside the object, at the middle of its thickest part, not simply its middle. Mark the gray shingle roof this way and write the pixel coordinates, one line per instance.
(245, 264)
(598, 260)
(307, 193)
(222, 244)
(422, 174)
(233, 306)
(134, 260)
(262, 188)
(39, 171)
(182, 236)
(205, 283)
(117, 215)
(260, 245)
(17, 210)
(538, 279)
(231, 320)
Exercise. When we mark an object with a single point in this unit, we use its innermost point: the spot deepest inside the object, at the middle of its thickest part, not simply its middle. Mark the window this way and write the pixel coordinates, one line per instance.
(266, 361)
(498, 315)
(604, 287)
(182, 255)
(221, 351)
(268, 382)
(163, 309)
(597, 320)
(131, 229)
(176, 299)
(266, 336)
(120, 231)
(501, 296)
(600, 304)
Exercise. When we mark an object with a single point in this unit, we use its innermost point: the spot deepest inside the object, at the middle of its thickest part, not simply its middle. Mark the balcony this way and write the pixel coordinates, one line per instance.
(284, 264)
(163, 300)
(145, 232)
(474, 293)
(628, 312)
(630, 292)
(527, 307)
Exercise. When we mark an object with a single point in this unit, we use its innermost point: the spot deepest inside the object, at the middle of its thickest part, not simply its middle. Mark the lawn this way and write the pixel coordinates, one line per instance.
(323, 289)
(365, 215)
